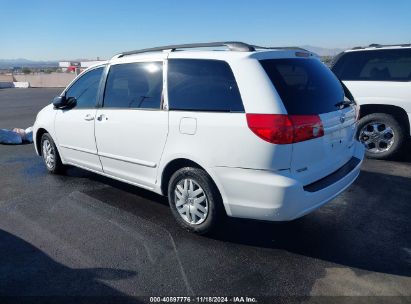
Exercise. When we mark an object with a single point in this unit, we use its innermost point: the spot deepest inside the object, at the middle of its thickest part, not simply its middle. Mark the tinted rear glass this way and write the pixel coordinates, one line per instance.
(376, 65)
(202, 85)
(306, 86)
(134, 85)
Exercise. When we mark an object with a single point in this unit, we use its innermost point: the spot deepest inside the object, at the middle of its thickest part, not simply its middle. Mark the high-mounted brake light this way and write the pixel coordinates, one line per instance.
(302, 54)
(285, 129)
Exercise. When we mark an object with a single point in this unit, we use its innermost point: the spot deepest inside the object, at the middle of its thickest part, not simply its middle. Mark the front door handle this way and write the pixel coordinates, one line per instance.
(89, 117)
(102, 117)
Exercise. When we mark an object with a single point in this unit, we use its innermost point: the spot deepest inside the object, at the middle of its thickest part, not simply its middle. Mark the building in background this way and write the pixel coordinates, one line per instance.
(77, 66)
(69, 66)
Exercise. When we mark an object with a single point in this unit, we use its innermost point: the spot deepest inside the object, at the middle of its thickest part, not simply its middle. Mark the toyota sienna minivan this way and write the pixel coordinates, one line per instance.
(220, 128)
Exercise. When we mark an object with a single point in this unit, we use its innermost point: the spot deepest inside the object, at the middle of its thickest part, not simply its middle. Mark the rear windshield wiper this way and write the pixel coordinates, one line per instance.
(344, 103)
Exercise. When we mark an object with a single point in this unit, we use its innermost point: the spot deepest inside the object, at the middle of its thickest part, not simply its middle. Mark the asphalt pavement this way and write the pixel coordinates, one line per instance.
(80, 234)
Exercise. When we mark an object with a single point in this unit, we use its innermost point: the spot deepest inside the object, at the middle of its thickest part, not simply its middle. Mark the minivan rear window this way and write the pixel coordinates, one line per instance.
(375, 65)
(306, 86)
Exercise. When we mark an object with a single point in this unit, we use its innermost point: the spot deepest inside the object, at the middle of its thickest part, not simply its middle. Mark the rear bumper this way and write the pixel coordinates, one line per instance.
(276, 196)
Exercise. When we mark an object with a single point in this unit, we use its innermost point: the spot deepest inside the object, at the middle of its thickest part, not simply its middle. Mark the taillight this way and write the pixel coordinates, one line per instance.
(276, 129)
(285, 129)
(306, 127)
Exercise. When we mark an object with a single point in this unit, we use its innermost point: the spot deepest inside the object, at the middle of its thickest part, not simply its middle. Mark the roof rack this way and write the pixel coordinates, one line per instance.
(376, 45)
(236, 46)
(231, 45)
(280, 48)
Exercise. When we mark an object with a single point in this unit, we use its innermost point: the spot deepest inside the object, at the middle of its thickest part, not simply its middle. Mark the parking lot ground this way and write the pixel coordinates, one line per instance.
(82, 234)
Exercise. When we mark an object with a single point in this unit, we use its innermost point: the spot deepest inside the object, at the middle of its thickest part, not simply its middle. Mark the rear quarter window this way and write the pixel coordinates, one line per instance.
(202, 85)
(375, 65)
(306, 86)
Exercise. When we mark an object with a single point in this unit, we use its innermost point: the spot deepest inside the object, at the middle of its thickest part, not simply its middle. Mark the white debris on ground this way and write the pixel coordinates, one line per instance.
(16, 136)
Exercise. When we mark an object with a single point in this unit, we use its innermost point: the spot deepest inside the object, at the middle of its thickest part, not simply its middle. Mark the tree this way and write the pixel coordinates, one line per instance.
(26, 71)
(328, 60)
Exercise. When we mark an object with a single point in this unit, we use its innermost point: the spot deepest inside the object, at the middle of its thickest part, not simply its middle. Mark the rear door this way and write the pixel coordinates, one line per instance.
(131, 127)
(307, 87)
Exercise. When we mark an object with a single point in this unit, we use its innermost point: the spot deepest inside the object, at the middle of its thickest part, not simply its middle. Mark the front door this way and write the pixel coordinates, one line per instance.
(75, 127)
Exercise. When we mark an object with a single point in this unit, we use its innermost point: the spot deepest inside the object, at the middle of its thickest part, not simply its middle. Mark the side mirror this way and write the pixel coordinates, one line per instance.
(61, 102)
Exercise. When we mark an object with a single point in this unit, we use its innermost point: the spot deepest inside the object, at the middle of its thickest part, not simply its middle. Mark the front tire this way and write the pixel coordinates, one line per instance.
(381, 134)
(50, 154)
(194, 200)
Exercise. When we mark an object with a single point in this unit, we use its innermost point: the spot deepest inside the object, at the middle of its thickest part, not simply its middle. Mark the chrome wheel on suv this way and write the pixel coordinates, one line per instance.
(381, 134)
(377, 137)
(191, 201)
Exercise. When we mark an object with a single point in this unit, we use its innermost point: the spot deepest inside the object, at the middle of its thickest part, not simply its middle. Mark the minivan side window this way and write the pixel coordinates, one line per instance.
(85, 89)
(375, 65)
(202, 85)
(134, 85)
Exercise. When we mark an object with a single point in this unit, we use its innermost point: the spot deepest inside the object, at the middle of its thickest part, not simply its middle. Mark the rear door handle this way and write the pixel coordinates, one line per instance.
(89, 117)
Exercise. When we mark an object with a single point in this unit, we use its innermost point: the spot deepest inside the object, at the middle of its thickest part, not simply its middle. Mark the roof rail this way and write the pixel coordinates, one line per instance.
(376, 45)
(280, 48)
(231, 45)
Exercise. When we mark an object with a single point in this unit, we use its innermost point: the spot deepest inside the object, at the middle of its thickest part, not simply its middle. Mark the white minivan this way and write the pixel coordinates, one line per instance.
(238, 130)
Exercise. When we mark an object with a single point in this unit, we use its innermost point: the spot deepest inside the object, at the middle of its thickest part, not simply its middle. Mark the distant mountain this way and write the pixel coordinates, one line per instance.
(323, 51)
(22, 62)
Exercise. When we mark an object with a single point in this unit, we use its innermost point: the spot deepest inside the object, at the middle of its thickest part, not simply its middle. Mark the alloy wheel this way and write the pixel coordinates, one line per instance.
(191, 201)
(377, 137)
(49, 155)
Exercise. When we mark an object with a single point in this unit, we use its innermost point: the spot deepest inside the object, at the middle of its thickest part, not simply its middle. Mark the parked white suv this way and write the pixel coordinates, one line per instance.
(379, 77)
(249, 132)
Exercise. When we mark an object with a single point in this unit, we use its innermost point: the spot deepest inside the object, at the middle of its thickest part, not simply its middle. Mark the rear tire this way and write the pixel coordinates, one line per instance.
(381, 134)
(195, 200)
(50, 155)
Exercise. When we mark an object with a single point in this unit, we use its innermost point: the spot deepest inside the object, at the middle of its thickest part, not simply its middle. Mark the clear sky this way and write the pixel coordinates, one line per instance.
(70, 29)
